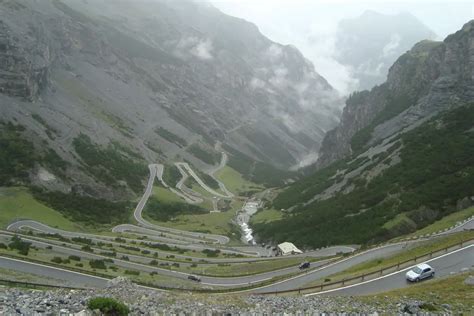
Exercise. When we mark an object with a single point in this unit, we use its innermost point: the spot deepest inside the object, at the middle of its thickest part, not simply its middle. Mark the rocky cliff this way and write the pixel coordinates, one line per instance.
(429, 78)
(155, 79)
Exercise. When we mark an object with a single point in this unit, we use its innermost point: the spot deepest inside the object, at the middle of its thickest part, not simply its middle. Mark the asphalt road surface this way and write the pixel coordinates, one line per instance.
(444, 265)
(73, 278)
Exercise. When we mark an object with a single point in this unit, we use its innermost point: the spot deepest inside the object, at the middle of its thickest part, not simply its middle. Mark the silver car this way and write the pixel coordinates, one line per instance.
(420, 272)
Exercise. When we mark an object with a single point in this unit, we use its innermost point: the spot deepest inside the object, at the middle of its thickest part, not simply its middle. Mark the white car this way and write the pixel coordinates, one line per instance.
(420, 272)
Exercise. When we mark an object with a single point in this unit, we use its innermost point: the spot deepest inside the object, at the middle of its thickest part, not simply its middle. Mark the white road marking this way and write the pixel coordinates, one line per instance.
(390, 274)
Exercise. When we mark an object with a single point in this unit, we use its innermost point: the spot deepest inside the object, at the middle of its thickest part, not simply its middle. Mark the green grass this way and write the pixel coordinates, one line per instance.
(166, 195)
(266, 216)
(445, 222)
(18, 203)
(400, 219)
(163, 211)
(214, 223)
(239, 269)
(199, 189)
(234, 181)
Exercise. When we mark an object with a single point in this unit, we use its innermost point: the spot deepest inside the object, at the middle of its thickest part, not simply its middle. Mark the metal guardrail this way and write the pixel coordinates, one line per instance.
(373, 274)
(321, 287)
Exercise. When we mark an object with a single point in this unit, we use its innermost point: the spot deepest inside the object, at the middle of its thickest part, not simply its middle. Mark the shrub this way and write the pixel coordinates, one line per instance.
(87, 248)
(82, 240)
(108, 306)
(97, 264)
(211, 253)
(20, 245)
(74, 258)
(109, 165)
(84, 209)
(57, 260)
(162, 211)
(132, 272)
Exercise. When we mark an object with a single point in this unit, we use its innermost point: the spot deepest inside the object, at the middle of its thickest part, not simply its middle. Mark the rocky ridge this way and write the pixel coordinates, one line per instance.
(149, 302)
(431, 77)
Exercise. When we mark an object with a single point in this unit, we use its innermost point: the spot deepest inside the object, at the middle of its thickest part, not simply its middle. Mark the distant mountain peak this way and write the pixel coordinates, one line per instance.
(370, 43)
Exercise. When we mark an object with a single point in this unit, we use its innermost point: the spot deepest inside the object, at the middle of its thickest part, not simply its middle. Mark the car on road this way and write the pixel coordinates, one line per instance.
(304, 265)
(420, 272)
(194, 278)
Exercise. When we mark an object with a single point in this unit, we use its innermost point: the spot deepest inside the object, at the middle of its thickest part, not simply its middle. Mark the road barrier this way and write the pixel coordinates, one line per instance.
(320, 287)
(373, 274)
(441, 232)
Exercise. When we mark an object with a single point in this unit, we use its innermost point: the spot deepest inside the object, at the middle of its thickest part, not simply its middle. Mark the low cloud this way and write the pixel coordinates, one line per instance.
(279, 77)
(257, 83)
(274, 52)
(197, 47)
(203, 49)
(306, 160)
(392, 46)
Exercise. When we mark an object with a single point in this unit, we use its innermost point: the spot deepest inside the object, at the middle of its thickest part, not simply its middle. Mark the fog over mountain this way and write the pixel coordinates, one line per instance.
(369, 44)
(312, 26)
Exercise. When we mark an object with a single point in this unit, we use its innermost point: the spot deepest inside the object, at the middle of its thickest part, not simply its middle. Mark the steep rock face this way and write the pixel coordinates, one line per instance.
(157, 77)
(23, 70)
(429, 78)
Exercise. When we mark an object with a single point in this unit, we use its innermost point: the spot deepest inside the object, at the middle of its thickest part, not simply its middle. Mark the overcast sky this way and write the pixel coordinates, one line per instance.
(295, 21)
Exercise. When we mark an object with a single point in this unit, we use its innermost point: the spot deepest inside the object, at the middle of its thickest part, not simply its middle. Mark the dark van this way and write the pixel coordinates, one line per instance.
(194, 278)
(304, 265)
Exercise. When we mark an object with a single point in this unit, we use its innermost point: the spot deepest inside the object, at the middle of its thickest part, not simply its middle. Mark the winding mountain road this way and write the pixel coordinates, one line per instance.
(200, 241)
(451, 262)
(191, 172)
(137, 214)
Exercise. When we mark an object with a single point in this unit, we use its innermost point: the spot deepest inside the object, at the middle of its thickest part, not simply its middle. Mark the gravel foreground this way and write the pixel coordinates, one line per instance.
(141, 301)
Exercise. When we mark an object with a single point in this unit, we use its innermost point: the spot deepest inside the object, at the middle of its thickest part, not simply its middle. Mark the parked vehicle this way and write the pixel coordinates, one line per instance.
(194, 278)
(304, 265)
(420, 272)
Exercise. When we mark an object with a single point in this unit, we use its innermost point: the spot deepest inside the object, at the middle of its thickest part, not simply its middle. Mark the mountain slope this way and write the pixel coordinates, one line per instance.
(418, 179)
(401, 157)
(429, 78)
(151, 81)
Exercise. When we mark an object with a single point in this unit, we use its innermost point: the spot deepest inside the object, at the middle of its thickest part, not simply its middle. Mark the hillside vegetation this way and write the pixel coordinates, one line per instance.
(256, 171)
(427, 170)
(111, 164)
